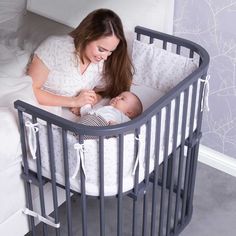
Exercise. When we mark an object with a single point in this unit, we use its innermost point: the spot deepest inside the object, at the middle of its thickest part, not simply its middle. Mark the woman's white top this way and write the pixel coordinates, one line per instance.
(65, 78)
(110, 113)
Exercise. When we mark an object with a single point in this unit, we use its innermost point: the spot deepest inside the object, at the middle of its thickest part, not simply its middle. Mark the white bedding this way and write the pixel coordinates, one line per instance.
(14, 85)
(20, 88)
(90, 160)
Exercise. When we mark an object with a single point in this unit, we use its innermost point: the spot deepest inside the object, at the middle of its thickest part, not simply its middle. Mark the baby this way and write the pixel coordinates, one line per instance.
(122, 108)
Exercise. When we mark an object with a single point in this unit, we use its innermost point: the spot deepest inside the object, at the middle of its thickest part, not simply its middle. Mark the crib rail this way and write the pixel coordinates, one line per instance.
(180, 43)
(159, 201)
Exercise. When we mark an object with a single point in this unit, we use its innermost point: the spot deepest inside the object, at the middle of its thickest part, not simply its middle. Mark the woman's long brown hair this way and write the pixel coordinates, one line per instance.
(117, 69)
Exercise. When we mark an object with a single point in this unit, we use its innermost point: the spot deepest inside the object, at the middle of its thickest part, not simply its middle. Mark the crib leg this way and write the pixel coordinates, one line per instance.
(188, 188)
(29, 204)
(193, 169)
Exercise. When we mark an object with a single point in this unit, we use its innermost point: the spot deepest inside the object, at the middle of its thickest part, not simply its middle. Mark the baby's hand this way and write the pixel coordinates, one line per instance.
(112, 122)
(75, 110)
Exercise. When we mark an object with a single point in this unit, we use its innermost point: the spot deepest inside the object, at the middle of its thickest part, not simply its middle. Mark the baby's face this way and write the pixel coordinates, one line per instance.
(124, 102)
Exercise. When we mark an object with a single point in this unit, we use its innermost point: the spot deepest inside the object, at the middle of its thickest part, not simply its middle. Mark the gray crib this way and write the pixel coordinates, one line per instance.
(159, 198)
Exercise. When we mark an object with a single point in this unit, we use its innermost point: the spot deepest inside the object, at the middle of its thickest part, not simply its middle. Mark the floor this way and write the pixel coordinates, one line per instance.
(214, 204)
(214, 207)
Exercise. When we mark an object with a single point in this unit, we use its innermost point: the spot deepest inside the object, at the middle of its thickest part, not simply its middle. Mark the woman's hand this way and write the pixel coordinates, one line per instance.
(85, 97)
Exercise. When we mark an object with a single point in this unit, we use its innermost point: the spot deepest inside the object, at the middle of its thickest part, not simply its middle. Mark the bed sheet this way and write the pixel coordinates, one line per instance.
(14, 86)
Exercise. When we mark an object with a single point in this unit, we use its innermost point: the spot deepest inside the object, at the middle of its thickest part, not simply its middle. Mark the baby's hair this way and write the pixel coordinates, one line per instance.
(138, 108)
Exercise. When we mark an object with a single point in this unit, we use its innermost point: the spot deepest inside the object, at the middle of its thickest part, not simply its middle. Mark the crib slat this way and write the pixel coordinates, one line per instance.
(147, 164)
(120, 186)
(147, 167)
(101, 187)
(191, 53)
(156, 171)
(181, 159)
(83, 202)
(173, 165)
(67, 181)
(40, 180)
(83, 206)
(165, 164)
(29, 201)
(178, 49)
(135, 189)
(198, 133)
(151, 40)
(164, 45)
(83, 197)
(53, 176)
(189, 150)
(138, 37)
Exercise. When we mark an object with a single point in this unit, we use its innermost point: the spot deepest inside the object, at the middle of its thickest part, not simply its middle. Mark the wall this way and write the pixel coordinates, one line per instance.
(211, 23)
(156, 14)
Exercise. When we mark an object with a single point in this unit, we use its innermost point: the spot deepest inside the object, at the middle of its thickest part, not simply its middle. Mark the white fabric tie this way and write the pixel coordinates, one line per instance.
(205, 96)
(80, 159)
(48, 220)
(32, 140)
(138, 156)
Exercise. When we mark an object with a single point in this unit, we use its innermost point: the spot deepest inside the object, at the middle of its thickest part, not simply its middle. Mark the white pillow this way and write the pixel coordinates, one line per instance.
(142, 91)
(11, 16)
(13, 89)
(13, 61)
(9, 138)
(158, 68)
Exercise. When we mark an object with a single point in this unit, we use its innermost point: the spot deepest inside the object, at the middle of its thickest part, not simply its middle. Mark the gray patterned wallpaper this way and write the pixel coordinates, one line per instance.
(212, 23)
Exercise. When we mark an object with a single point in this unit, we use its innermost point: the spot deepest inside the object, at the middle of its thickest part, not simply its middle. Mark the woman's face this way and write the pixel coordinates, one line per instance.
(101, 49)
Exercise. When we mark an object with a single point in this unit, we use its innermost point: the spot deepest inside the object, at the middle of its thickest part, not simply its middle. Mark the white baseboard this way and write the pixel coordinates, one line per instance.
(217, 160)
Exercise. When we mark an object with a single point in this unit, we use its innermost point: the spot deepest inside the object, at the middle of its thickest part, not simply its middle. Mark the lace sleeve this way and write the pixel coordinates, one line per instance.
(47, 52)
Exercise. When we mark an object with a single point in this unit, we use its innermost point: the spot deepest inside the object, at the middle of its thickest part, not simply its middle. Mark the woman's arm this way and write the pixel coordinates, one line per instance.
(38, 71)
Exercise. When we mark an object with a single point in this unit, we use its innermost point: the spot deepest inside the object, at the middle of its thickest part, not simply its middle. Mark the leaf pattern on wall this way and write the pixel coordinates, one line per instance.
(211, 23)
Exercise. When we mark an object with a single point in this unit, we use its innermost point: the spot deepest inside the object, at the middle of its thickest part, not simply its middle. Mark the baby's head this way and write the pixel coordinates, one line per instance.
(128, 103)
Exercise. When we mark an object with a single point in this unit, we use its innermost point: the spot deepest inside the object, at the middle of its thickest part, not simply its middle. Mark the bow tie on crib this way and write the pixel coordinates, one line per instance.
(32, 129)
(80, 159)
(205, 95)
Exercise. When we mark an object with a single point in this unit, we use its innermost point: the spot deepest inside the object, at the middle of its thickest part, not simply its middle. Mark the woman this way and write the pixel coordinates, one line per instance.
(80, 68)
